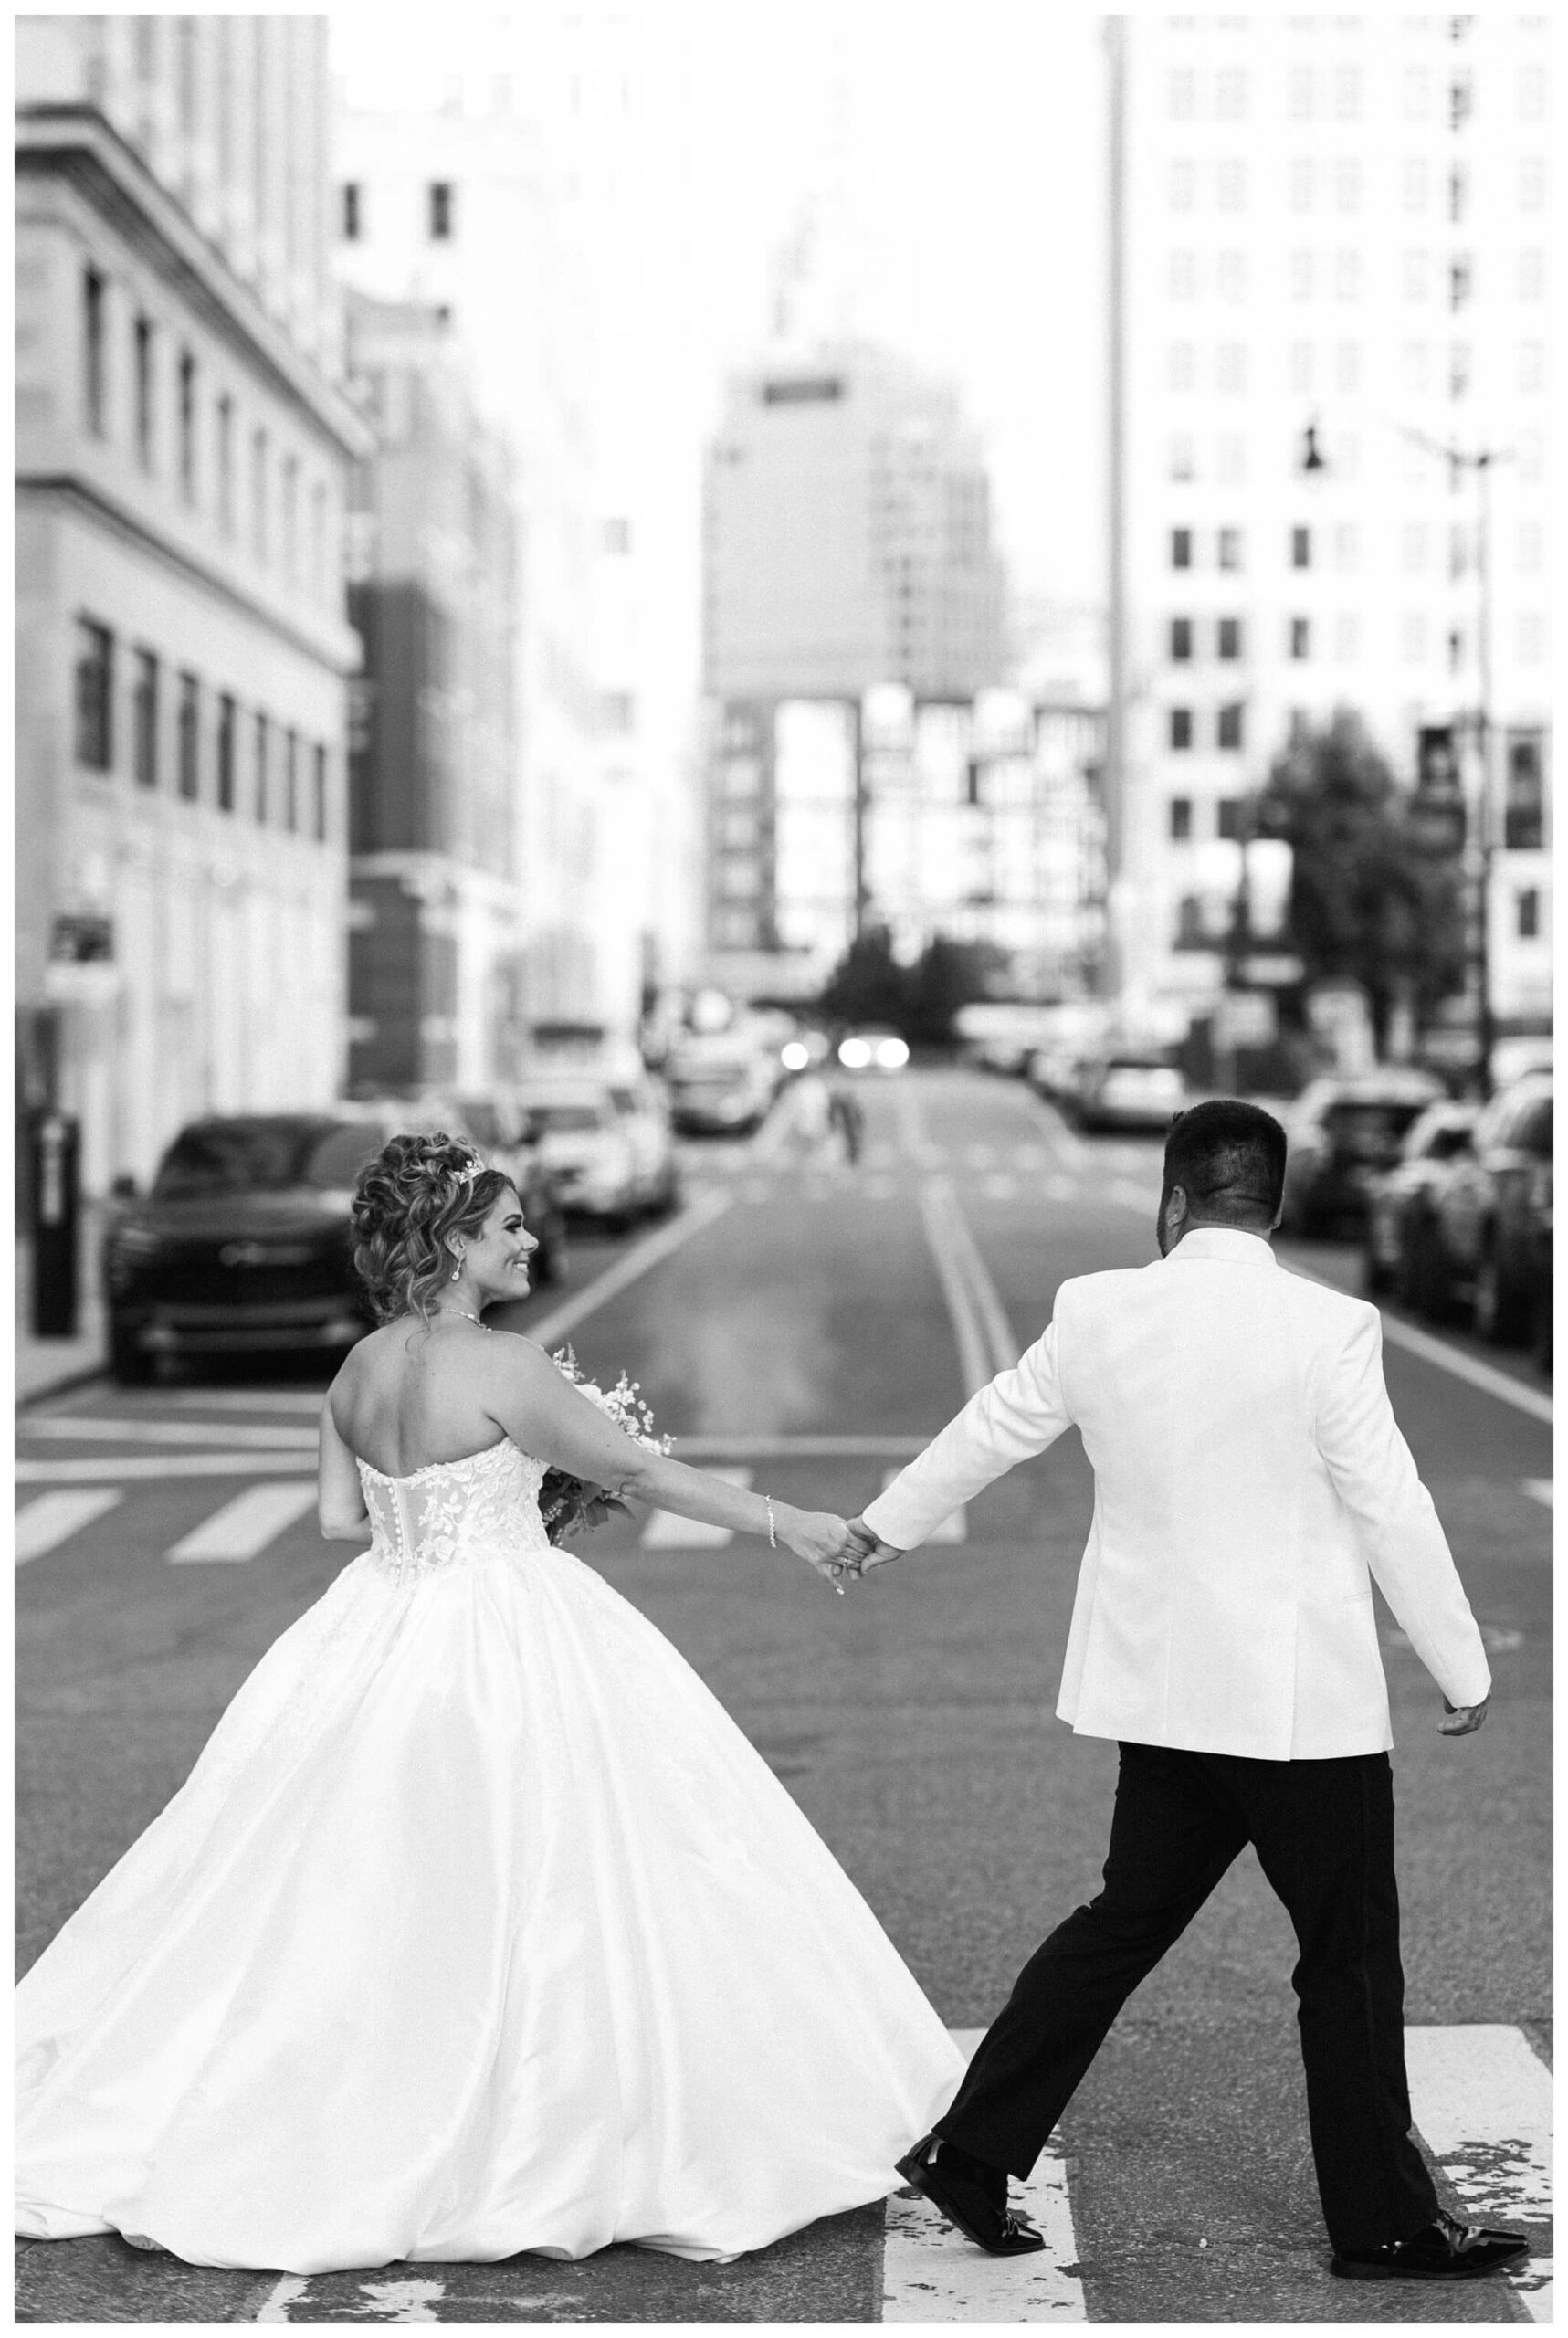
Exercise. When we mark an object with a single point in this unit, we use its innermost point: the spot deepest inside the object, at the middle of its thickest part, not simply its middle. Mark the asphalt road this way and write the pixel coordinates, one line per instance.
(814, 1324)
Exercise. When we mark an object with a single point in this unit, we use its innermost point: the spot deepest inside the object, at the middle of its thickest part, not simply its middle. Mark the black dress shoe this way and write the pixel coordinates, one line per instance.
(1445, 2251)
(952, 2182)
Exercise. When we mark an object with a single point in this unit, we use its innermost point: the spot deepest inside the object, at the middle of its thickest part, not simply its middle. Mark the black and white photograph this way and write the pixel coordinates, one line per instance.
(784, 1131)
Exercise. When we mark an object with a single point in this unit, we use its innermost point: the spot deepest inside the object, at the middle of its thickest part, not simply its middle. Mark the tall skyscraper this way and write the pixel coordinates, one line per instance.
(183, 451)
(1329, 263)
(848, 534)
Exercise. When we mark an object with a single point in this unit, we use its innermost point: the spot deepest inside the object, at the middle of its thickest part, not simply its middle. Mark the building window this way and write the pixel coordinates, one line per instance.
(1347, 365)
(1181, 365)
(1418, 185)
(1300, 547)
(1458, 194)
(1347, 276)
(1183, 462)
(1301, 276)
(1301, 636)
(1532, 366)
(1461, 282)
(1462, 101)
(1230, 94)
(1181, 730)
(1230, 275)
(1524, 803)
(1531, 183)
(1229, 823)
(145, 720)
(188, 426)
(225, 465)
(289, 505)
(263, 772)
(1347, 639)
(259, 493)
(1347, 184)
(1230, 185)
(1417, 274)
(1298, 367)
(1183, 95)
(1230, 367)
(1230, 458)
(441, 193)
(1302, 92)
(290, 781)
(94, 695)
(1347, 92)
(351, 216)
(1347, 547)
(1182, 184)
(1303, 183)
(188, 764)
(1527, 922)
(141, 391)
(1229, 638)
(1184, 276)
(318, 792)
(1181, 547)
(225, 724)
(94, 300)
(1181, 818)
(1228, 731)
(1229, 545)
(1181, 639)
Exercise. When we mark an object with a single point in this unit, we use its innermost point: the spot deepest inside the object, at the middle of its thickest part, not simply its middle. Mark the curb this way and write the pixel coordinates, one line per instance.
(77, 1376)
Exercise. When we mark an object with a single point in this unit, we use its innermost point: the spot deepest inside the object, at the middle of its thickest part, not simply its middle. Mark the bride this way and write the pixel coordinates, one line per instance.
(478, 1926)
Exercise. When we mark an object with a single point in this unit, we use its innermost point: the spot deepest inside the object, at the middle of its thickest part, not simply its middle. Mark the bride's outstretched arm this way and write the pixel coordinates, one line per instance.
(542, 1412)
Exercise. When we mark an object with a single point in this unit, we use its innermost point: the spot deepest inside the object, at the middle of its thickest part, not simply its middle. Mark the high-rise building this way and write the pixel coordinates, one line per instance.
(182, 452)
(1329, 265)
(848, 534)
(528, 190)
(436, 916)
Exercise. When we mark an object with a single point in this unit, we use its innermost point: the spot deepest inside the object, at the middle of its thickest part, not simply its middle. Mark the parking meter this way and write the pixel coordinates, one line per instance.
(56, 1217)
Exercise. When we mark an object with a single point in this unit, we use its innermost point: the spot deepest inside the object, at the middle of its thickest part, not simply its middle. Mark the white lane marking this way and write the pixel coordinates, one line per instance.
(931, 2274)
(243, 1526)
(954, 1529)
(666, 1531)
(1485, 1376)
(66, 1428)
(991, 1316)
(387, 2300)
(1540, 1490)
(49, 1520)
(241, 1400)
(106, 1468)
(628, 1269)
(1064, 1144)
(937, 1215)
(1482, 2101)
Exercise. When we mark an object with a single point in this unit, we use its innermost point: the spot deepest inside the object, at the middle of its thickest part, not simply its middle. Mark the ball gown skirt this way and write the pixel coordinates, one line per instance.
(477, 1927)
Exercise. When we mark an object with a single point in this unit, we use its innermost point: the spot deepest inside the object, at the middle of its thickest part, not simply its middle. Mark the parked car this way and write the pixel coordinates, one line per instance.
(722, 1089)
(1345, 1133)
(501, 1128)
(1486, 1231)
(644, 1107)
(240, 1247)
(1128, 1091)
(1397, 1199)
(587, 1147)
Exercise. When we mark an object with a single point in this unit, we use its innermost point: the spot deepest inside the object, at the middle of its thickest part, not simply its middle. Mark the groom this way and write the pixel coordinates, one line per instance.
(1250, 1484)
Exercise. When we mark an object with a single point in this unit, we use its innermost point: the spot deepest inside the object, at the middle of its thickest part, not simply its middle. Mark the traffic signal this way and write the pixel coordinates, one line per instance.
(1436, 810)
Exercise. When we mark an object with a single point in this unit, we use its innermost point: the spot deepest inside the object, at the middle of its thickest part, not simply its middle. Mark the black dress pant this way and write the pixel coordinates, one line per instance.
(1324, 1832)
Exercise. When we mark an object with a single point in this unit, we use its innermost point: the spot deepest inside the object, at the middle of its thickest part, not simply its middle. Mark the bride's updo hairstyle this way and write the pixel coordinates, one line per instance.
(417, 1192)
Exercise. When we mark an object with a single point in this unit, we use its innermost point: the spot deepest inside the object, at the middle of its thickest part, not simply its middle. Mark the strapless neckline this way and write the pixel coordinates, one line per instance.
(429, 1468)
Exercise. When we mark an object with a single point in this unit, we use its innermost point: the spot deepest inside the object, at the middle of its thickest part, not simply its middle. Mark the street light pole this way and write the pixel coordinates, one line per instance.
(1480, 841)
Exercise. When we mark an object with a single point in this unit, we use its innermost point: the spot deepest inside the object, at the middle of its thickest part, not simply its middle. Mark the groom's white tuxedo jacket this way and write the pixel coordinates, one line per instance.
(1250, 1484)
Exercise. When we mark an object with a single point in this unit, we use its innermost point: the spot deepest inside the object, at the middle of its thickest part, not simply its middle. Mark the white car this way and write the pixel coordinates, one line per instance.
(584, 1144)
(645, 1122)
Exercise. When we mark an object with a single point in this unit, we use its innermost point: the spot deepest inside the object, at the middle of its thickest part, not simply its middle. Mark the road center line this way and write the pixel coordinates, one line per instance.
(937, 1215)
(79, 1427)
(991, 1316)
(628, 1269)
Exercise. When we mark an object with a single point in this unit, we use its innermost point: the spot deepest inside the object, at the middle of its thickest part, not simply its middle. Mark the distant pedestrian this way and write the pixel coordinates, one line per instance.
(848, 1119)
(1250, 1486)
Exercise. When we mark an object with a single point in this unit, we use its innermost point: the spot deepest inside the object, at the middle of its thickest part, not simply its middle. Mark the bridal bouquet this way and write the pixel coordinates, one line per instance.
(570, 1505)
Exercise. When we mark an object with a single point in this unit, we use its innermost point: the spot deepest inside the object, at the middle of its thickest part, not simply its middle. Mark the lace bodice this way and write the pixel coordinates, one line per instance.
(485, 1505)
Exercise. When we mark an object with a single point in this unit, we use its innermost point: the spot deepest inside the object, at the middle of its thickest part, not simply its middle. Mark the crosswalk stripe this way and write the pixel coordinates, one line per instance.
(101, 1469)
(78, 1428)
(243, 1527)
(931, 2274)
(953, 1527)
(666, 1531)
(49, 1520)
(1481, 2099)
(1540, 1490)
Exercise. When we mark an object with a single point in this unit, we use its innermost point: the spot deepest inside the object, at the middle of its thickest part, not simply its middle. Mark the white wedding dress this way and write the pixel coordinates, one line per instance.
(477, 1927)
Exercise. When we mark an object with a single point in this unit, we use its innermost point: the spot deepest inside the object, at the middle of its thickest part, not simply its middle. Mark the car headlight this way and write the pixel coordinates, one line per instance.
(855, 1054)
(891, 1054)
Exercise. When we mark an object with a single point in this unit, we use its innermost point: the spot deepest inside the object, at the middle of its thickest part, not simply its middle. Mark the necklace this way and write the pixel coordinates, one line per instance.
(464, 1313)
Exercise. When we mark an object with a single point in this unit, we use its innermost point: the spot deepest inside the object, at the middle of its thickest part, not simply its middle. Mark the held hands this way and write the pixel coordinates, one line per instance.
(1462, 1719)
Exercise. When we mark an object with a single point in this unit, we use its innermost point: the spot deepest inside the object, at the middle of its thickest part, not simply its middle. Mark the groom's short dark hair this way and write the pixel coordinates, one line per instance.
(1228, 1158)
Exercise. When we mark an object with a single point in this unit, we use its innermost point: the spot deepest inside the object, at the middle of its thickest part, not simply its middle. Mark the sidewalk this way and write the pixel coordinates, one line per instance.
(43, 1366)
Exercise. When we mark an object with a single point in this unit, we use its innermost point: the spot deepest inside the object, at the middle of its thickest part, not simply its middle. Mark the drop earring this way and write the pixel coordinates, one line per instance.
(457, 1271)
